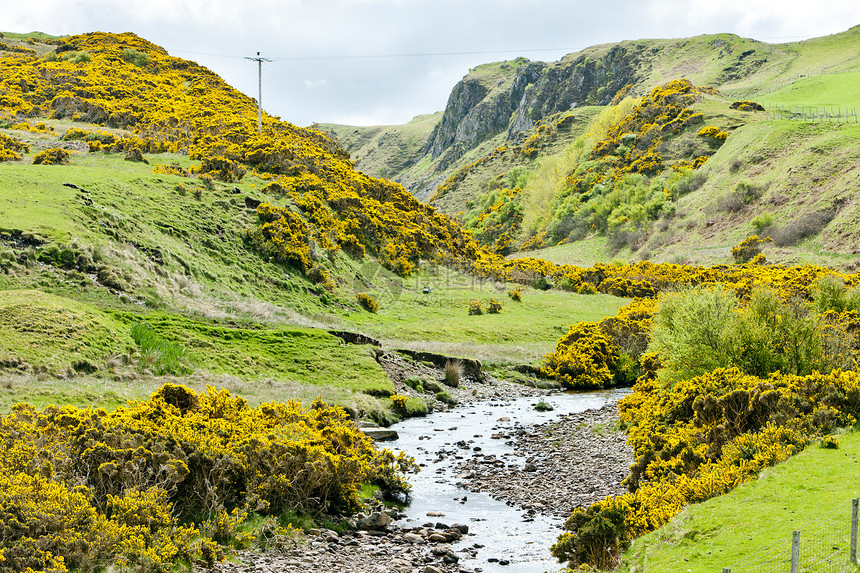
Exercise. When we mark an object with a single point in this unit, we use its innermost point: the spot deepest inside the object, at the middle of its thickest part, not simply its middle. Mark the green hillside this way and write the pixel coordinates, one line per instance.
(752, 526)
(173, 279)
(789, 80)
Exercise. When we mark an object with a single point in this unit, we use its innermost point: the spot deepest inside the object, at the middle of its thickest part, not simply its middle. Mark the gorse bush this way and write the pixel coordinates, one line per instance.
(749, 248)
(367, 302)
(148, 485)
(584, 358)
(53, 156)
(475, 307)
(700, 438)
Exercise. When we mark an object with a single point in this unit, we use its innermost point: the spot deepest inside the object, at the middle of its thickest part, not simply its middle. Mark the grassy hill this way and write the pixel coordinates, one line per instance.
(751, 527)
(790, 80)
(153, 220)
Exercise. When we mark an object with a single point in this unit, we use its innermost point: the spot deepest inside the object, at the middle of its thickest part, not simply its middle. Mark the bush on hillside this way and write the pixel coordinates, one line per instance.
(367, 302)
(806, 225)
(53, 156)
(749, 248)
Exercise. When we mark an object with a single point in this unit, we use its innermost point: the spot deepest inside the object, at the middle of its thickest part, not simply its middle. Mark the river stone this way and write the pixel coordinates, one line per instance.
(413, 538)
(461, 527)
(380, 434)
(374, 522)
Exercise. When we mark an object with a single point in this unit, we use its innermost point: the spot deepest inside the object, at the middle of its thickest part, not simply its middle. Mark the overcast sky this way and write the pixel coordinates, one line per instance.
(367, 62)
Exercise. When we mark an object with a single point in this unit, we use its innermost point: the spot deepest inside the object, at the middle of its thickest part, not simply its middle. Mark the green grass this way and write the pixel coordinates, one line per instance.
(584, 253)
(809, 491)
(833, 90)
(439, 321)
(298, 355)
(60, 351)
(57, 335)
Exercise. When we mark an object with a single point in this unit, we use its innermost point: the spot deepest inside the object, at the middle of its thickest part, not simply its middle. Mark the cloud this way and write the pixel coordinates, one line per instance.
(315, 84)
(314, 39)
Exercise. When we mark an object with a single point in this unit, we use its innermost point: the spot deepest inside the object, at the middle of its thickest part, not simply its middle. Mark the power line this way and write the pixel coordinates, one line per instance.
(259, 61)
(382, 56)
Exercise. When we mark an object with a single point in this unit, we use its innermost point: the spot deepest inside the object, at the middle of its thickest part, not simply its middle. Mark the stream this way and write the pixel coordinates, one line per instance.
(503, 538)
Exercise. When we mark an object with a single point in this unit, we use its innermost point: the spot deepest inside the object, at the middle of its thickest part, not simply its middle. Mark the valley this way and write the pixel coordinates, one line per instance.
(601, 300)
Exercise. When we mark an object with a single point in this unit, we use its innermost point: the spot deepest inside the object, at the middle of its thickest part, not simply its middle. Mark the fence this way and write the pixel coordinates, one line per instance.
(813, 113)
(827, 545)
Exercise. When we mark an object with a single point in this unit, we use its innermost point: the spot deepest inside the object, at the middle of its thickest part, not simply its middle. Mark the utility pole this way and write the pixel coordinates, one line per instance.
(259, 61)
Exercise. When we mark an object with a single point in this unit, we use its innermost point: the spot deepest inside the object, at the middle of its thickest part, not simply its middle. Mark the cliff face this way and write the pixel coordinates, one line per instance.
(532, 91)
(477, 111)
(582, 81)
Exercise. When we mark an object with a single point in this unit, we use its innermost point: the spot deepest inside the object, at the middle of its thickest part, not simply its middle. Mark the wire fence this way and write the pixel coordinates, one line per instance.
(826, 545)
(813, 113)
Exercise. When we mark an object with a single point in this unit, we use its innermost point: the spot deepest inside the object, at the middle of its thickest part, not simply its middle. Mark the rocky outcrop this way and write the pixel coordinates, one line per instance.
(476, 111)
(532, 91)
(584, 80)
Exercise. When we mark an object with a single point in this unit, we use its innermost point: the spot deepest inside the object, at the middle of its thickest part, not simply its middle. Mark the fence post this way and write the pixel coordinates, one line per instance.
(795, 551)
(854, 504)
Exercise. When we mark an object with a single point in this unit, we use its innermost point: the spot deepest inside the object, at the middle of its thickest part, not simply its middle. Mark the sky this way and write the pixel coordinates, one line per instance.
(374, 62)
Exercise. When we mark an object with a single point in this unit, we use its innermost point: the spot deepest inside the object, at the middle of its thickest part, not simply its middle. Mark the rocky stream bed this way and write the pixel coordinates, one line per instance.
(496, 474)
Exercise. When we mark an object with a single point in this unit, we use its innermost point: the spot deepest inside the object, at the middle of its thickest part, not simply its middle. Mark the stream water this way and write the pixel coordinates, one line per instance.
(501, 533)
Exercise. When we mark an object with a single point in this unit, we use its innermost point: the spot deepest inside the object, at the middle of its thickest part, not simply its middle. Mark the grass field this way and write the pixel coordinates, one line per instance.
(750, 529)
(832, 90)
(521, 332)
(65, 351)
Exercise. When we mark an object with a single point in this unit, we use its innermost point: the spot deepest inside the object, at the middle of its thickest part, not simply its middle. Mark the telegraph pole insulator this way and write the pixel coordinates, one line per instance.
(259, 61)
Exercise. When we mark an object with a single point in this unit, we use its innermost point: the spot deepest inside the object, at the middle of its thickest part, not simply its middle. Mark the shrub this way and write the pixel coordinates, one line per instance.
(8, 147)
(829, 293)
(749, 248)
(136, 155)
(583, 358)
(743, 194)
(475, 307)
(136, 57)
(699, 330)
(746, 105)
(542, 283)
(806, 225)
(829, 443)
(494, 306)
(53, 156)
(762, 222)
(367, 302)
(446, 398)
(515, 295)
(399, 401)
(691, 330)
(714, 133)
